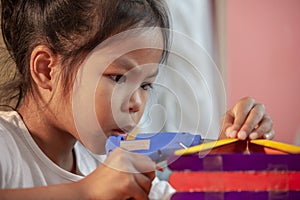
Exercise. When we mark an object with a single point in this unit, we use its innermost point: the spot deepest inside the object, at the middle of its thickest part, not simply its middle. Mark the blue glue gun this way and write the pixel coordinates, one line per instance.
(158, 146)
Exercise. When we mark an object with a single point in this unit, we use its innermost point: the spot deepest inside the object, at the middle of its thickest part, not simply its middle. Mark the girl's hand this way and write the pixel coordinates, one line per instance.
(123, 175)
(247, 119)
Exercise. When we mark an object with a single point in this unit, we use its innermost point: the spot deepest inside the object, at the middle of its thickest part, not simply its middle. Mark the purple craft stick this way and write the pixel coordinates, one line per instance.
(286, 195)
(235, 162)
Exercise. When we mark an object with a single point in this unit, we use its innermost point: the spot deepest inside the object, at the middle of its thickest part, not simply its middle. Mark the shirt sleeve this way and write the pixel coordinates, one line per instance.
(6, 158)
(10, 157)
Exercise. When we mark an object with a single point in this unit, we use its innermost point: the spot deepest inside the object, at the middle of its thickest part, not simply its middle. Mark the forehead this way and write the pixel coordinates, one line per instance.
(138, 48)
(132, 41)
(142, 61)
(140, 56)
(144, 44)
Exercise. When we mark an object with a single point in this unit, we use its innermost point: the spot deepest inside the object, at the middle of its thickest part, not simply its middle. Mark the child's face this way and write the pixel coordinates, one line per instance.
(112, 86)
(122, 91)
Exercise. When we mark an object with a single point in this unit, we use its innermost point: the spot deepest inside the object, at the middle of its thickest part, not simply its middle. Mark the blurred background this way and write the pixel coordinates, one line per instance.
(262, 59)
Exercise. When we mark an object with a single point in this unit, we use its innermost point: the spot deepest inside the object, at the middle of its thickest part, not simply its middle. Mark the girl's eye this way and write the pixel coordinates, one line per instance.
(118, 78)
(146, 86)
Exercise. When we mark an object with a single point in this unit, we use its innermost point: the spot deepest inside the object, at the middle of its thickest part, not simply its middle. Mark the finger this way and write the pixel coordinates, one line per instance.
(136, 192)
(227, 122)
(265, 127)
(143, 164)
(126, 161)
(241, 111)
(144, 182)
(254, 118)
(270, 135)
(151, 175)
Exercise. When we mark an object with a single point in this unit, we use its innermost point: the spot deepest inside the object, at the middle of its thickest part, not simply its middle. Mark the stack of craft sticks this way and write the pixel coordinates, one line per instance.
(234, 169)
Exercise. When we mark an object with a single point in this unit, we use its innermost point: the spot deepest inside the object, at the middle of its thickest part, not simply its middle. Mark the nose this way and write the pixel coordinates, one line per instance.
(135, 102)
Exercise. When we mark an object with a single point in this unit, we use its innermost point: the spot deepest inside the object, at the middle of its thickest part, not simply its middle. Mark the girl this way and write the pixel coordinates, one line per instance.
(61, 48)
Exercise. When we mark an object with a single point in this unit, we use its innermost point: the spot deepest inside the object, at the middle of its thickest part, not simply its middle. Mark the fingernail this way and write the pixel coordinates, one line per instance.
(253, 136)
(242, 135)
(268, 136)
(233, 134)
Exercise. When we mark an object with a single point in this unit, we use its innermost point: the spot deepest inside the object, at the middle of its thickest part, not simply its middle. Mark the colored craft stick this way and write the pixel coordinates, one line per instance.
(205, 146)
(278, 145)
(235, 162)
(246, 145)
(265, 195)
(235, 181)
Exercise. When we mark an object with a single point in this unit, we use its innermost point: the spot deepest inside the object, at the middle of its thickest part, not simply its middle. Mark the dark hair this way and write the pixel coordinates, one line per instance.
(71, 29)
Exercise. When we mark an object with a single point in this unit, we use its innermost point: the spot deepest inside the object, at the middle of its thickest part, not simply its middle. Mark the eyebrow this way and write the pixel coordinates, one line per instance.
(127, 64)
(154, 74)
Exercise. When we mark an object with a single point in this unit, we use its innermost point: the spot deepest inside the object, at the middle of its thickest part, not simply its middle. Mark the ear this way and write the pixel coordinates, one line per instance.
(42, 67)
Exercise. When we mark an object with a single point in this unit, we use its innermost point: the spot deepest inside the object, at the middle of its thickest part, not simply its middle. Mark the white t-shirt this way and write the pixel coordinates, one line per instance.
(23, 164)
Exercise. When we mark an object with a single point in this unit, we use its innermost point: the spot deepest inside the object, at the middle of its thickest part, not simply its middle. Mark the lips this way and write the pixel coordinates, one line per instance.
(124, 131)
(118, 132)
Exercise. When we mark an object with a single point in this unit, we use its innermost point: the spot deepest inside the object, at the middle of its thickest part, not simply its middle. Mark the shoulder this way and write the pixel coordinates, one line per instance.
(8, 145)
(7, 129)
(12, 139)
(10, 120)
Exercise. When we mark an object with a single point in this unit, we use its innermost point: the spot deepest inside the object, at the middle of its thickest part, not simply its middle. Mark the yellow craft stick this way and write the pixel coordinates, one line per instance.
(204, 146)
(132, 134)
(277, 145)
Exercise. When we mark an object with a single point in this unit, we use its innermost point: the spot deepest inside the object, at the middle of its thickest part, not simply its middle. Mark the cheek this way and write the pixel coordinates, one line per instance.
(139, 114)
(112, 105)
(144, 100)
(102, 102)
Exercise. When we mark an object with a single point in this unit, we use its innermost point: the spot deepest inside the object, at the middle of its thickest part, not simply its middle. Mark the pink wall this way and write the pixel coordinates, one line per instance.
(263, 59)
